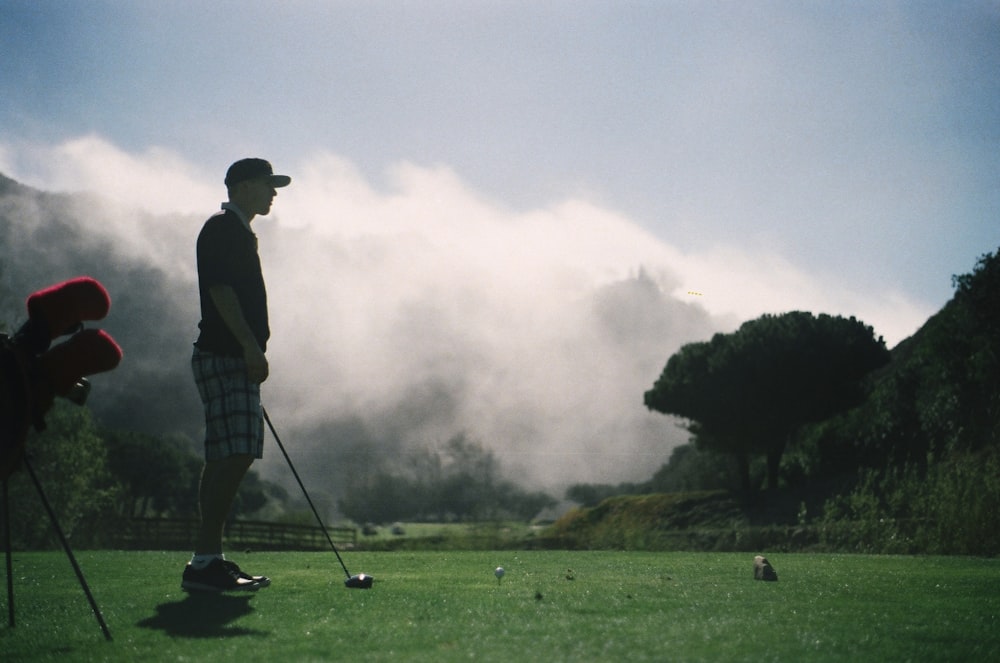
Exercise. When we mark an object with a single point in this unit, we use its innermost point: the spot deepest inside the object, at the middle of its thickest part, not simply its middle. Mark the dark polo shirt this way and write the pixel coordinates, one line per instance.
(227, 255)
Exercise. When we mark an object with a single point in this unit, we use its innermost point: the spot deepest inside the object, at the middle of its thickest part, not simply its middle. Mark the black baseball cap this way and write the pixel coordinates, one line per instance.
(249, 169)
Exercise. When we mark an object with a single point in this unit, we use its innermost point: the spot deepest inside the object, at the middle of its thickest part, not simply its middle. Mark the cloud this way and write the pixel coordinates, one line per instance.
(405, 313)
(157, 180)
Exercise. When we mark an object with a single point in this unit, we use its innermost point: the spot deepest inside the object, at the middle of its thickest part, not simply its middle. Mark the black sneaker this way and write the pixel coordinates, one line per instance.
(218, 576)
(262, 581)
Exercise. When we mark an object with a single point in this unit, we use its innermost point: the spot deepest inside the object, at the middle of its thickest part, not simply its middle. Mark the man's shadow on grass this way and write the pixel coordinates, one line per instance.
(200, 615)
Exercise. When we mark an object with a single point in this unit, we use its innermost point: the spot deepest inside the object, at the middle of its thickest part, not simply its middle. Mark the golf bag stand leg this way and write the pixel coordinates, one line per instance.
(69, 551)
(5, 511)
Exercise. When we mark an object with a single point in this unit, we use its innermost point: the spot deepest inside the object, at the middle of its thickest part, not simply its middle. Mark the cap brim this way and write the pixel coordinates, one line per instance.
(278, 181)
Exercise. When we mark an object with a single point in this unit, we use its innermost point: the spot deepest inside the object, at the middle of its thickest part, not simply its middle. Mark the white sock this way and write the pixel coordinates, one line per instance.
(198, 562)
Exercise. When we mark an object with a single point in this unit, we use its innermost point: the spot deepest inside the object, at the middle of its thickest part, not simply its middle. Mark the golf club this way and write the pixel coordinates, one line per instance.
(360, 581)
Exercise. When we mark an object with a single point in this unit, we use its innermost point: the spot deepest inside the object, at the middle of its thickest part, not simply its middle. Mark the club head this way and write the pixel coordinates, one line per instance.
(360, 581)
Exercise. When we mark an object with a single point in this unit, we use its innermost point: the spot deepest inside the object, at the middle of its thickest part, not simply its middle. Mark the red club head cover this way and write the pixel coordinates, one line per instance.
(85, 353)
(64, 305)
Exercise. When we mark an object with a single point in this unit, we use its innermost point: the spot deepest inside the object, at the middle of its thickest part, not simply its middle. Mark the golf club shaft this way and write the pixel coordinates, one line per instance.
(305, 492)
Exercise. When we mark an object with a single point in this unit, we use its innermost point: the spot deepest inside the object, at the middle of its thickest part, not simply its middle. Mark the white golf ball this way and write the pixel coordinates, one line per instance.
(499, 572)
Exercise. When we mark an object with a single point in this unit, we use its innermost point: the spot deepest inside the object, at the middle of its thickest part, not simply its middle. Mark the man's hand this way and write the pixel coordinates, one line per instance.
(229, 308)
(257, 368)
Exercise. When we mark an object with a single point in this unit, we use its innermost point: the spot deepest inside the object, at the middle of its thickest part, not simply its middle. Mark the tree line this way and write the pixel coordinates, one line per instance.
(97, 479)
(460, 480)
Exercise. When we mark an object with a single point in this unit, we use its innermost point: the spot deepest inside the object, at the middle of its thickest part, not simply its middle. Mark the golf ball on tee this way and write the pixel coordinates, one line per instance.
(499, 572)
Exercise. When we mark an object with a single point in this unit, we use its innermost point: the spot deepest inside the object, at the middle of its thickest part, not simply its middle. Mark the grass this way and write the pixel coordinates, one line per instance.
(553, 606)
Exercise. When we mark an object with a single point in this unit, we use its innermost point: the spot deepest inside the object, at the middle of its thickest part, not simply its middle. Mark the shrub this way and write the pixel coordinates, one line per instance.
(948, 507)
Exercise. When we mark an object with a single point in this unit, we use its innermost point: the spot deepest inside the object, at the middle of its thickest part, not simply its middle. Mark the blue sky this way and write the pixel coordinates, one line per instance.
(488, 164)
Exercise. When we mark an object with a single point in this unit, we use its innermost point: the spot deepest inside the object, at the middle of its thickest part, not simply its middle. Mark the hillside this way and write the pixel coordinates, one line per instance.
(940, 394)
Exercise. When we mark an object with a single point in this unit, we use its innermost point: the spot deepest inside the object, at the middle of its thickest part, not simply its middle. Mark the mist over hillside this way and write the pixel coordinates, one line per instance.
(384, 339)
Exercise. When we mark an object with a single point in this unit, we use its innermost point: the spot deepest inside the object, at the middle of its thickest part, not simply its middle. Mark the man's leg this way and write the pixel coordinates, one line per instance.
(208, 569)
(220, 480)
(234, 437)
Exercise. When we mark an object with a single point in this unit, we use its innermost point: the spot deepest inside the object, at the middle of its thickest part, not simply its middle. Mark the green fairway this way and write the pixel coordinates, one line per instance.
(551, 606)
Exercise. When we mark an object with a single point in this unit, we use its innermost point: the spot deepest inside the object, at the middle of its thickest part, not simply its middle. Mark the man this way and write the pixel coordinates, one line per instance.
(229, 365)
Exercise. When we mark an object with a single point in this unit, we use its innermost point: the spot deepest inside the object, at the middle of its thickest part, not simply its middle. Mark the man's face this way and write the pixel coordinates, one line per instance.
(259, 195)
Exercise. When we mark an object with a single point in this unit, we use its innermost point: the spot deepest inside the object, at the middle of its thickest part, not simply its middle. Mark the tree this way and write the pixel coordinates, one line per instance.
(691, 469)
(159, 476)
(70, 460)
(460, 481)
(746, 392)
(978, 296)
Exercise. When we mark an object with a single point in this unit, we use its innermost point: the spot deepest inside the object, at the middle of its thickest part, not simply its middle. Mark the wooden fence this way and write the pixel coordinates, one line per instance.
(179, 534)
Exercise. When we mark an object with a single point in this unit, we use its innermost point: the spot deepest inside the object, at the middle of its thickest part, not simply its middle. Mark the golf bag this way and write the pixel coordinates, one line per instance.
(33, 371)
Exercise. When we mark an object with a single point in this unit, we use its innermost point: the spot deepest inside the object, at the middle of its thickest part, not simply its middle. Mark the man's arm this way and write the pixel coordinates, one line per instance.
(228, 305)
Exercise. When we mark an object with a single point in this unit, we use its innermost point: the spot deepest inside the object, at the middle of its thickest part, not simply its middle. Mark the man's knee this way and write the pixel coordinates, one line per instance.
(242, 460)
(230, 468)
(235, 460)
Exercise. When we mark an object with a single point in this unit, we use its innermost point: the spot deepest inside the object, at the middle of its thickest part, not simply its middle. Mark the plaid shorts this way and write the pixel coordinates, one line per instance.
(234, 420)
